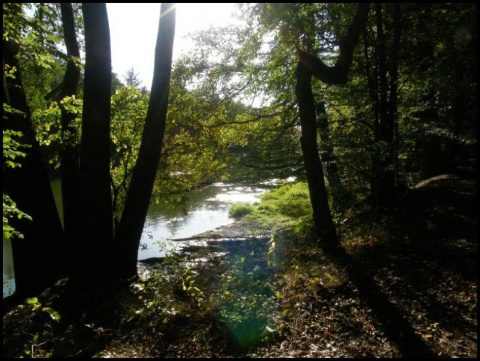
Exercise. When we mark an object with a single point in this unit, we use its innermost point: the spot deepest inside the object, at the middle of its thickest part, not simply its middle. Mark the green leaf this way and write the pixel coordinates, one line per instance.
(32, 301)
(53, 314)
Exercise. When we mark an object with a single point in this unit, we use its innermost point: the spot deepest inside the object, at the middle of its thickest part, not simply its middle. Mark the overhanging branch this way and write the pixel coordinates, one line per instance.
(337, 74)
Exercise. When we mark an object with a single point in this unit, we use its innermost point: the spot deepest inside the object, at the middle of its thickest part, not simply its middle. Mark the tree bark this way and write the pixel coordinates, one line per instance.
(337, 190)
(132, 221)
(70, 160)
(310, 65)
(94, 244)
(383, 89)
(324, 225)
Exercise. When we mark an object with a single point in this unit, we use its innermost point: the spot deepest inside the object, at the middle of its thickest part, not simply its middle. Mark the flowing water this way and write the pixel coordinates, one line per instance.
(207, 208)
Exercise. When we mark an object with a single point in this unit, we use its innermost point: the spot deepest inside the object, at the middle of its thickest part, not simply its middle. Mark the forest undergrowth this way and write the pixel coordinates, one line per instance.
(282, 297)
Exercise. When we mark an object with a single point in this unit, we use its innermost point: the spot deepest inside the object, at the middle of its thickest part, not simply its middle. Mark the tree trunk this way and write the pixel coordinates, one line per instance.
(383, 91)
(324, 225)
(36, 257)
(310, 65)
(131, 224)
(383, 175)
(338, 191)
(94, 244)
(70, 162)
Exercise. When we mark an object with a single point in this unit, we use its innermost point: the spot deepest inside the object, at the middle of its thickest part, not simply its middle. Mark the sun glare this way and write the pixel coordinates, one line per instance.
(133, 31)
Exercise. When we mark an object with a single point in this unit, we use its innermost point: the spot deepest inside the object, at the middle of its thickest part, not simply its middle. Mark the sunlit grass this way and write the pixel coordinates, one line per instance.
(278, 208)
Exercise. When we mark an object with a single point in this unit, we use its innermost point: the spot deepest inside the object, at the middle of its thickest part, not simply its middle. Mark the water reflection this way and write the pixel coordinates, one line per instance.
(8, 272)
(206, 209)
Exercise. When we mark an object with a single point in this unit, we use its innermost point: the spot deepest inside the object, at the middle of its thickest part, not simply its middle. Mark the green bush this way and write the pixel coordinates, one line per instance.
(291, 200)
(240, 210)
(289, 203)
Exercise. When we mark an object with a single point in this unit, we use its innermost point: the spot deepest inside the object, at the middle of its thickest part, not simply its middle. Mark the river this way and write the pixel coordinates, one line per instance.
(207, 208)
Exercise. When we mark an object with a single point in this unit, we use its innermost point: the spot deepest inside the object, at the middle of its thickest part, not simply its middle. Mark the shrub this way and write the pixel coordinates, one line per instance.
(239, 210)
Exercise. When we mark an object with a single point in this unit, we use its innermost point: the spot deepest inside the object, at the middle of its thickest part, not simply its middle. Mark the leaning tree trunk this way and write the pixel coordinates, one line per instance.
(94, 242)
(70, 160)
(324, 225)
(36, 258)
(131, 224)
(310, 65)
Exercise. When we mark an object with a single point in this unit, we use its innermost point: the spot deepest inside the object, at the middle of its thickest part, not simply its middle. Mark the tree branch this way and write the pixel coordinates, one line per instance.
(337, 74)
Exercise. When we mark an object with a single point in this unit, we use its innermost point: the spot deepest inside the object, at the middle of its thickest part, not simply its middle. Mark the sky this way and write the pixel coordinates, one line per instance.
(133, 32)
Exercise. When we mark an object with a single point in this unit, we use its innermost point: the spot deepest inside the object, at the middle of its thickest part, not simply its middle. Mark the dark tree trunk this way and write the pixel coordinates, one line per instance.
(324, 225)
(393, 97)
(70, 162)
(383, 92)
(137, 201)
(94, 243)
(339, 194)
(310, 65)
(36, 257)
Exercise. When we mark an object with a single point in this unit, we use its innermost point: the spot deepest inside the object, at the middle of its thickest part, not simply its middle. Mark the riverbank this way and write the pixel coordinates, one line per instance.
(204, 209)
(243, 228)
(210, 242)
(287, 299)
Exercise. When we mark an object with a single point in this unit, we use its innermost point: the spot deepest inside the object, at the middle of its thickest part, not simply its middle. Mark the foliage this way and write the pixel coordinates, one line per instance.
(128, 111)
(10, 210)
(231, 73)
(239, 210)
(38, 28)
(48, 128)
(288, 205)
(166, 292)
(37, 306)
(37, 348)
(193, 153)
(11, 151)
(12, 148)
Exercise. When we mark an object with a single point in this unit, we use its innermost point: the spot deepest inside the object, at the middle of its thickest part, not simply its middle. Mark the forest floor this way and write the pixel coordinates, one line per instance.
(409, 289)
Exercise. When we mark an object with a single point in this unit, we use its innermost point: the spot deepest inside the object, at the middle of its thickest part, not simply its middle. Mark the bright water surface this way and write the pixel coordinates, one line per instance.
(206, 209)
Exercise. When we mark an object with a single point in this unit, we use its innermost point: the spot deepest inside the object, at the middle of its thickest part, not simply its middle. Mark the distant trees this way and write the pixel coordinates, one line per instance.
(438, 87)
(131, 78)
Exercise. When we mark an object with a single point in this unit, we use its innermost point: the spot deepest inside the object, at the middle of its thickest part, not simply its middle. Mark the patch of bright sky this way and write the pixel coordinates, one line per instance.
(133, 33)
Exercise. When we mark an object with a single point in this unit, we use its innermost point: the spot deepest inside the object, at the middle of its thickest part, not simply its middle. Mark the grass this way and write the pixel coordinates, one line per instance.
(287, 205)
